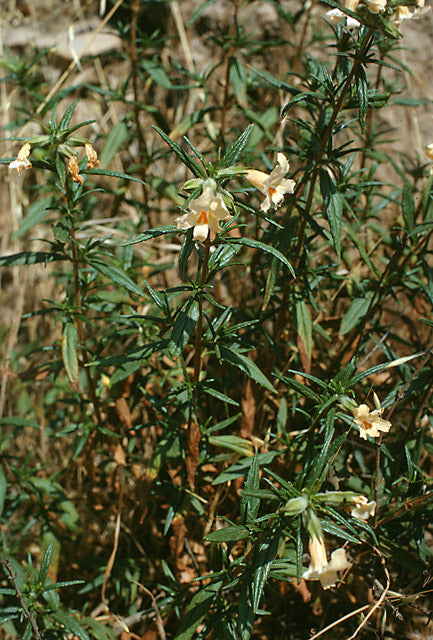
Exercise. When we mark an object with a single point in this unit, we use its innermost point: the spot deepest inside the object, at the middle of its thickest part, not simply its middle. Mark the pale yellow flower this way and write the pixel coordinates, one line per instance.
(22, 162)
(273, 185)
(92, 156)
(205, 213)
(317, 549)
(74, 170)
(362, 508)
(370, 423)
(376, 6)
(327, 572)
(429, 151)
(336, 15)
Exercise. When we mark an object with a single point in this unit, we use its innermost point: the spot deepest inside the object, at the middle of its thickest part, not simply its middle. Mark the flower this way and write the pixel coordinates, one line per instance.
(22, 162)
(362, 509)
(317, 549)
(273, 185)
(327, 571)
(336, 15)
(74, 170)
(92, 156)
(205, 212)
(370, 423)
(428, 150)
(376, 6)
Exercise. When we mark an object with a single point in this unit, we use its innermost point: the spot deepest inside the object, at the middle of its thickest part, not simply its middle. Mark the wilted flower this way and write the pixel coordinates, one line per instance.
(22, 162)
(205, 212)
(362, 508)
(92, 156)
(74, 170)
(370, 423)
(326, 572)
(273, 185)
(428, 150)
(376, 6)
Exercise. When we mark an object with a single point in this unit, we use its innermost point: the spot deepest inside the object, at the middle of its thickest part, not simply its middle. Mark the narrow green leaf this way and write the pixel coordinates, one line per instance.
(69, 353)
(45, 564)
(247, 366)
(355, 313)
(181, 154)
(115, 140)
(304, 325)
(30, 257)
(152, 233)
(229, 534)
(71, 624)
(333, 204)
(232, 154)
(196, 611)
(116, 275)
(238, 78)
(267, 553)
(408, 206)
(184, 326)
(35, 213)
(3, 488)
(249, 504)
(112, 174)
(256, 244)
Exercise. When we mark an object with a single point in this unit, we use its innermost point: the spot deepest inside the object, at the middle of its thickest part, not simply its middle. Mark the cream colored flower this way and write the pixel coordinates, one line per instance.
(328, 571)
(273, 185)
(336, 15)
(362, 508)
(352, 5)
(22, 162)
(74, 170)
(92, 156)
(376, 6)
(370, 423)
(428, 150)
(317, 549)
(205, 212)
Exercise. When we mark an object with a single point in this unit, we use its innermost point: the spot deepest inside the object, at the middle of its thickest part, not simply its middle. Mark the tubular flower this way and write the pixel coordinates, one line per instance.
(74, 170)
(326, 571)
(22, 162)
(336, 15)
(273, 185)
(205, 213)
(370, 423)
(92, 156)
(376, 6)
(428, 150)
(362, 509)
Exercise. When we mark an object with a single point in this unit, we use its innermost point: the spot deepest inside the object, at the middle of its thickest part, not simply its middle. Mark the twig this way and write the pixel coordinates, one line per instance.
(334, 624)
(27, 613)
(159, 622)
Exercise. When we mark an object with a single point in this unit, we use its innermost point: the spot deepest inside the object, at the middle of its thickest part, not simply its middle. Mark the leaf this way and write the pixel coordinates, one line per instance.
(362, 91)
(69, 354)
(256, 244)
(3, 487)
(267, 553)
(238, 78)
(408, 206)
(112, 174)
(35, 213)
(181, 154)
(152, 233)
(116, 275)
(304, 325)
(183, 328)
(229, 534)
(355, 313)
(196, 611)
(333, 203)
(115, 140)
(45, 564)
(30, 257)
(234, 443)
(247, 366)
(220, 396)
(232, 154)
(249, 504)
(71, 624)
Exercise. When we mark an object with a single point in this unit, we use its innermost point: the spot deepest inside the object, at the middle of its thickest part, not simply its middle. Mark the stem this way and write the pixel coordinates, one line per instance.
(377, 479)
(321, 152)
(27, 613)
(199, 332)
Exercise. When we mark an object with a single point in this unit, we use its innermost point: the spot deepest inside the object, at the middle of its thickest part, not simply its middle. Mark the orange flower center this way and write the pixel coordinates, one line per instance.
(272, 190)
(202, 219)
